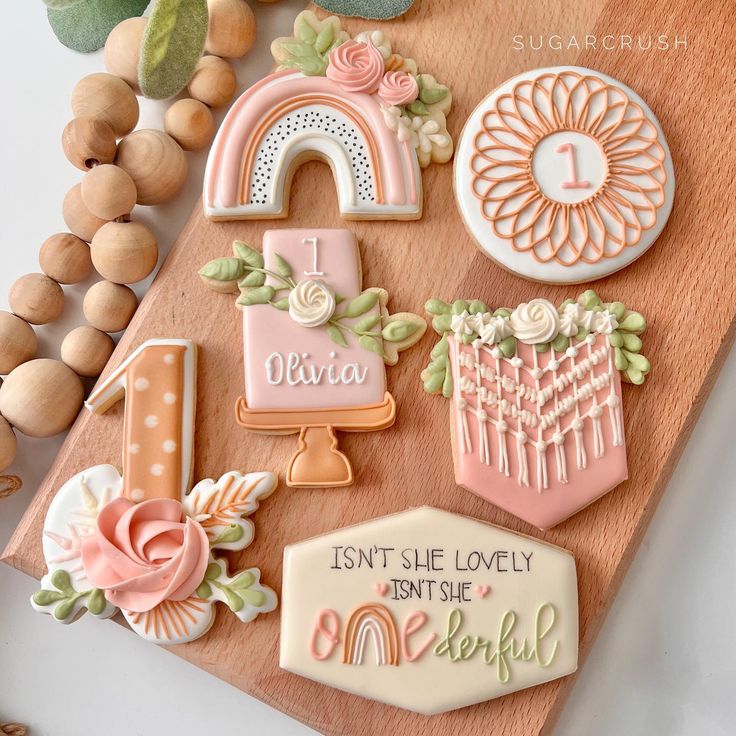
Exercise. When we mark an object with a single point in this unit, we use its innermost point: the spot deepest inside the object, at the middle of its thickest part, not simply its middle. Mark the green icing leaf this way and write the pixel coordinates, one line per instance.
(234, 601)
(634, 376)
(282, 304)
(254, 597)
(631, 342)
(96, 601)
(633, 322)
(508, 346)
(620, 359)
(417, 108)
(399, 330)
(84, 25)
(212, 572)
(459, 306)
(282, 265)
(250, 255)
(437, 306)
(430, 96)
(637, 362)
(441, 348)
(477, 307)
(324, 39)
(441, 323)
(617, 309)
(447, 384)
(61, 580)
(560, 343)
(361, 304)
(370, 343)
(367, 323)
(259, 295)
(64, 609)
(433, 383)
(243, 581)
(589, 299)
(172, 45)
(254, 278)
(502, 312)
(581, 334)
(542, 347)
(223, 269)
(310, 66)
(47, 597)
(233, 533)
(204, 590)
(616, 339)
(335, 334)
(298, 49)
(305, 32)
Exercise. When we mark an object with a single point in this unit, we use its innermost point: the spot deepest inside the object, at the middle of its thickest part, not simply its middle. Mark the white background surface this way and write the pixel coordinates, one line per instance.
(663, 664)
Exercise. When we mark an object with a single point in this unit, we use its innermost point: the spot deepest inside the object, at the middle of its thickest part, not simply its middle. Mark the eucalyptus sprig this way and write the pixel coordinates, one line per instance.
(65, 597)
(237, 592)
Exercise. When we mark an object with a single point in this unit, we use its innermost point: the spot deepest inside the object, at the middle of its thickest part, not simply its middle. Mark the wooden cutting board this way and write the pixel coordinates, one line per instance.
(685, 285)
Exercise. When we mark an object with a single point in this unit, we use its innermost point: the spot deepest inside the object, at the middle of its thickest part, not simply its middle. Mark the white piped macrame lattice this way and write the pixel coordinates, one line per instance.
(532, 407)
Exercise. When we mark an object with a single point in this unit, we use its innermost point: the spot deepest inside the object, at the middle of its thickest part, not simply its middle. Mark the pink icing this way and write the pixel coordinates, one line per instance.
(398, 88)
(143, 554)
(413, 622)
(356, 66)
(327, 627)
(235, 136)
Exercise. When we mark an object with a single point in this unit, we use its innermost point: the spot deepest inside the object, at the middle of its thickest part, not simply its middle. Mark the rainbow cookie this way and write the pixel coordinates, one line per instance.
(142, 542)
(563, 175)
(353, 103)
(428, 610)
(315, 345)
(537, 421)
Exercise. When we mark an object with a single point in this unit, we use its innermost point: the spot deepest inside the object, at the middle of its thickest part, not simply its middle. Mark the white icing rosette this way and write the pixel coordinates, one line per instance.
(604, 322)
(494, 330)
(463, 323)
(311, 303)
(535, 322)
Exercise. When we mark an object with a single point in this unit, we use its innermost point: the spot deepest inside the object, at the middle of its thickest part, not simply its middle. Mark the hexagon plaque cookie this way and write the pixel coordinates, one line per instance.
(428, 611)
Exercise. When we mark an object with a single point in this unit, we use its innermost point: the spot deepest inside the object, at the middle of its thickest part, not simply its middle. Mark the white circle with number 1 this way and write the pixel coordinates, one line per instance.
(563, 175)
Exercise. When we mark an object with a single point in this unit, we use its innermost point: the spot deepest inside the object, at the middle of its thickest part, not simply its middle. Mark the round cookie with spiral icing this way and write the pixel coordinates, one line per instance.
(563, 175)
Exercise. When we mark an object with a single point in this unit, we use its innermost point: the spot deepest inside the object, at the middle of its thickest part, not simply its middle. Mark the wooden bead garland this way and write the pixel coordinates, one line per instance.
(88, 141)
(122, 50)
(36, 298)
(8, 444)
(213, 81)
(41, 397)
(65, 258)
(86, 350)
(108, 192)
(109, 307)
(190, 123)
(155, 163)
(108, 98)
(124, 252)
(18, 340)
(232, 28)
(80, 221)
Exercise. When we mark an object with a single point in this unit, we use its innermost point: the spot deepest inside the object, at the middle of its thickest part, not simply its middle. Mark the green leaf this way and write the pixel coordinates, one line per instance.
(309, 66)
(61, 580)
(633, 322)
(441, 348)
(447, 384)
(47, 597)
(243, 581)
(367, 323)
(233, 533)
(96, 601)
(250, 255)
(635, 376)
(204, 590)
(417, 108)
(254, 597)
(430, 96)
(254, 278)
(212, 572)
(477, 307)
(282, 304)
(335, 334)
(223, 269)
(234, 601)
(282, 265)
(85, 25)
(508, 346)
(306, 33)
(616, 339)
(620, 359)
(433, 382)
(399, 330)
(64, 609)
(442, 322)
(437, 365)
(581, 334)
(631, 342)
(371, 344)
(459, 306)
(324, 39)
(361, 304)
(637, 361)
(437, 306)
(172, 45)
(617, 309)
(260, 295)
(502, 312)
(298, 50)
(589, 299)
(560, 343)
(542, 347)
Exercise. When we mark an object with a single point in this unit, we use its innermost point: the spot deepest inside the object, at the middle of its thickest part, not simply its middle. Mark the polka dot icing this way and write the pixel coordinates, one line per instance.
(157, 469)
(141, 384)
(169, 398)
(137, 495)
(169, 446)
(151, 421)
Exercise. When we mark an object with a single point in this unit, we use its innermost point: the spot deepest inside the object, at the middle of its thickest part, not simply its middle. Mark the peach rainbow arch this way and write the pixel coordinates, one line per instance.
(288, 118)
(375, 621)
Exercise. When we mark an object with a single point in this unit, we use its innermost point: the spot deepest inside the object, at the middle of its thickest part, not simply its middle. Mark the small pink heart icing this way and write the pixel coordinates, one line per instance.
(482, 590)
(381, 589)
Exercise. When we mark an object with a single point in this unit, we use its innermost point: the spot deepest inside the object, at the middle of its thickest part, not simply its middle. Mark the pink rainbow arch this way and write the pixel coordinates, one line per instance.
(288, 118)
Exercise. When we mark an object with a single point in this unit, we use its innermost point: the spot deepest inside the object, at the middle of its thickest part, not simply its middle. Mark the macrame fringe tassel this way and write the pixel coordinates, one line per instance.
(561, 463)
(542, 483)
(580, 449)
(523, 464)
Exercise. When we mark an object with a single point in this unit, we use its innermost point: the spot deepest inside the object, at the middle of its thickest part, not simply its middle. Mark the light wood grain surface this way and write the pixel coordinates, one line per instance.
(685, 286)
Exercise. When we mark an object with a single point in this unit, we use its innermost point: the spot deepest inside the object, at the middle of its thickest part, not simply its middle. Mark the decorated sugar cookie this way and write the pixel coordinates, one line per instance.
(352, 102)
(315, 345)
(537, 421)
(142, 542)
(563, 175)
(428, 611)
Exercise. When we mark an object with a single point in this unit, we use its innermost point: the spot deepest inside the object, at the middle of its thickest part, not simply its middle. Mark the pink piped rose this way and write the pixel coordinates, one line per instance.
(144, 553)
(398, 88)
(356, 67)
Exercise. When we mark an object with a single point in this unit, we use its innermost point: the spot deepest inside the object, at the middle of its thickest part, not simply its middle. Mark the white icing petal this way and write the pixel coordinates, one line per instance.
(463, 324)
(378, 39)
(605, 322)
(568, 325)
(311, 303)
(536, 321)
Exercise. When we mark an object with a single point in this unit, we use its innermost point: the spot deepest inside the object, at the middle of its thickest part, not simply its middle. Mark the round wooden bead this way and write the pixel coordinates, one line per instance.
(124, 252)
(77, 217)
(36, 298)
(232, 28)
(213, 81)
(155, 162)
(109, 307)
(18, 342)
(88, 141)
(190, 123)
(122, 50)
(86, 350)
(65, 258)
(41, 397)
(108, 192)
(109, 98)
(8, 444)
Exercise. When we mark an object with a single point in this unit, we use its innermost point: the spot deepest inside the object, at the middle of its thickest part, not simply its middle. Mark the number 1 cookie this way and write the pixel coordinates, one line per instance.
(563, 175)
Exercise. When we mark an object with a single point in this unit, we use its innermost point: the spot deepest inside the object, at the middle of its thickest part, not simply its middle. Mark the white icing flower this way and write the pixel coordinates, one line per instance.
(463, 323)
(604, 322)
(378, 39)
(427, 135)
(536, 321)
(495, 330)
(311, 303)
(570, 319)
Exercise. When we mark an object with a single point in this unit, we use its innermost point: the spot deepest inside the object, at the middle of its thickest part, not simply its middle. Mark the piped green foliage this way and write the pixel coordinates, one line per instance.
(64, 597)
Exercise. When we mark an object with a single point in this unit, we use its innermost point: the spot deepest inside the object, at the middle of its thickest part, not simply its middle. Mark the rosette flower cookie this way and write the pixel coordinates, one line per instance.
(536, 399)
(354, 102)
(311, 303)
(142, 541)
